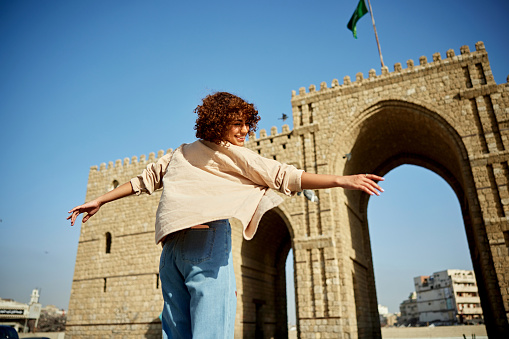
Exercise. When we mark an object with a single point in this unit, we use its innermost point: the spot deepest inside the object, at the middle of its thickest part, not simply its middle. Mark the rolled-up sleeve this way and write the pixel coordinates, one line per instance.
(287, 179)
(151, 178)
(273, 174)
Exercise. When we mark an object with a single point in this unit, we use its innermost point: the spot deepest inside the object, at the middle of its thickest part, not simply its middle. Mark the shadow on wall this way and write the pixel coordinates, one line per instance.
(154, 329)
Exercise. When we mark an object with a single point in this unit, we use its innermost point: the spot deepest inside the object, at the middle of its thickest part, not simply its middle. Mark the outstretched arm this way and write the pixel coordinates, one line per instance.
(93, 206)
(362, 182)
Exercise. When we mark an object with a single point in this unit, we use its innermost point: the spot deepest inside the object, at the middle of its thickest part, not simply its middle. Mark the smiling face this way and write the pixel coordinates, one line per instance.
(224, 117)
(237, 132)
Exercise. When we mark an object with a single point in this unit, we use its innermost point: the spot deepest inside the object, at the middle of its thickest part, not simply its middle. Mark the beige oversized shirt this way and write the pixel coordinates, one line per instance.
(204, 182)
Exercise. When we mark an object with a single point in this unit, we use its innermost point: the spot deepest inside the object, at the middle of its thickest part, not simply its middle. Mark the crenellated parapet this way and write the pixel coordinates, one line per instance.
(279, 146)
(133, 162)
(273, 133)
(361, 82)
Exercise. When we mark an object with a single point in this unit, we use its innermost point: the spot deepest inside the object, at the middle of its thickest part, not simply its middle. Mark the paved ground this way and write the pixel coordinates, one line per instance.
(439, 332)
(442, 332)
(51, 335)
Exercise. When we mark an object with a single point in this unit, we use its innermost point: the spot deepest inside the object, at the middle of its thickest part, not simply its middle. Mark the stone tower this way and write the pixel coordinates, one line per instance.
(447, 115)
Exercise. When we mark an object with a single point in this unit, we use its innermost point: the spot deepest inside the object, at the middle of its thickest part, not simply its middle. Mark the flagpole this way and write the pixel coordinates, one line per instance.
(376, 35)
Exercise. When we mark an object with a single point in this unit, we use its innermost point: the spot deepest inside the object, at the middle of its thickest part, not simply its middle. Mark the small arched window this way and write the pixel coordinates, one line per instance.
(114, 185)
(108, 242)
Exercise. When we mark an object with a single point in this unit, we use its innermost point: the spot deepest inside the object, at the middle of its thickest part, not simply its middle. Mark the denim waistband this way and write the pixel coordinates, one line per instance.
(216, 223)
(211, 224)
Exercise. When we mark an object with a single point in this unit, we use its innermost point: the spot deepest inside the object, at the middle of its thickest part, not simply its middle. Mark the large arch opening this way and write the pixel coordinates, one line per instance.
(390, 134)
(264, 299)
(416, 229)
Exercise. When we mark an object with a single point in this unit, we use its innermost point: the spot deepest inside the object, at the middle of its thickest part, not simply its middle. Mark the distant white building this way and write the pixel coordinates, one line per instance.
(386, 318)
(383, 310)
(15, 314)
(448, 297)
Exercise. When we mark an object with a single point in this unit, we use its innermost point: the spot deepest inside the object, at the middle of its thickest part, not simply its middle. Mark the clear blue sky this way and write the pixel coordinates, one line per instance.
(86, 82)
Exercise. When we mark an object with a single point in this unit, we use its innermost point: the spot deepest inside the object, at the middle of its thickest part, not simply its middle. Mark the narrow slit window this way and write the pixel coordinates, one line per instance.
(108, 242)
(466, 74)
(480, 72)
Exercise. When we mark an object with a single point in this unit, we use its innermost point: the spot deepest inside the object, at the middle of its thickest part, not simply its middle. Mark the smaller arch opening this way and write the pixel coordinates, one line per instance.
(264, 278)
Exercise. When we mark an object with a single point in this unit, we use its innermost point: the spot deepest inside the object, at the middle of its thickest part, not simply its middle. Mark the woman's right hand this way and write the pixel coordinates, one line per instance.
(93, 206)
(90, 208)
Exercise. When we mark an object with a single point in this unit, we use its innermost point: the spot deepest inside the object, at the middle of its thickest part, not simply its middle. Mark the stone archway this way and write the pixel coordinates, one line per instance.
(395, 133)
(447, 115)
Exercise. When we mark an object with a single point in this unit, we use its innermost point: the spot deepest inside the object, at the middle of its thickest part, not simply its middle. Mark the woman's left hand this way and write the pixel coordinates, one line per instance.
(362, 182)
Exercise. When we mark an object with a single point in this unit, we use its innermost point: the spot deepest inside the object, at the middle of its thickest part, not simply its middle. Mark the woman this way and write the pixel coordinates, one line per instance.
(204, 184)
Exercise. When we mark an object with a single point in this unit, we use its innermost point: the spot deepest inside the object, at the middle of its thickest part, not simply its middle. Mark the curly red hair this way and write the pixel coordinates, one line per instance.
(218, 111)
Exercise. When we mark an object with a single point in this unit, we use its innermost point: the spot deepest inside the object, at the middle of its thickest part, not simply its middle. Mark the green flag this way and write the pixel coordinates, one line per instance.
(359, 12)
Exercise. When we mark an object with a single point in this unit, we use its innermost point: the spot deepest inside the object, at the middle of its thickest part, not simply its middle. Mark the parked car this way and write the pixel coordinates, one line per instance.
(8, 332)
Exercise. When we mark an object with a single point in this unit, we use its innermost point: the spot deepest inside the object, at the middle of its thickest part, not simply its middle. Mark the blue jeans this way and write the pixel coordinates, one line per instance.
(198, 283)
